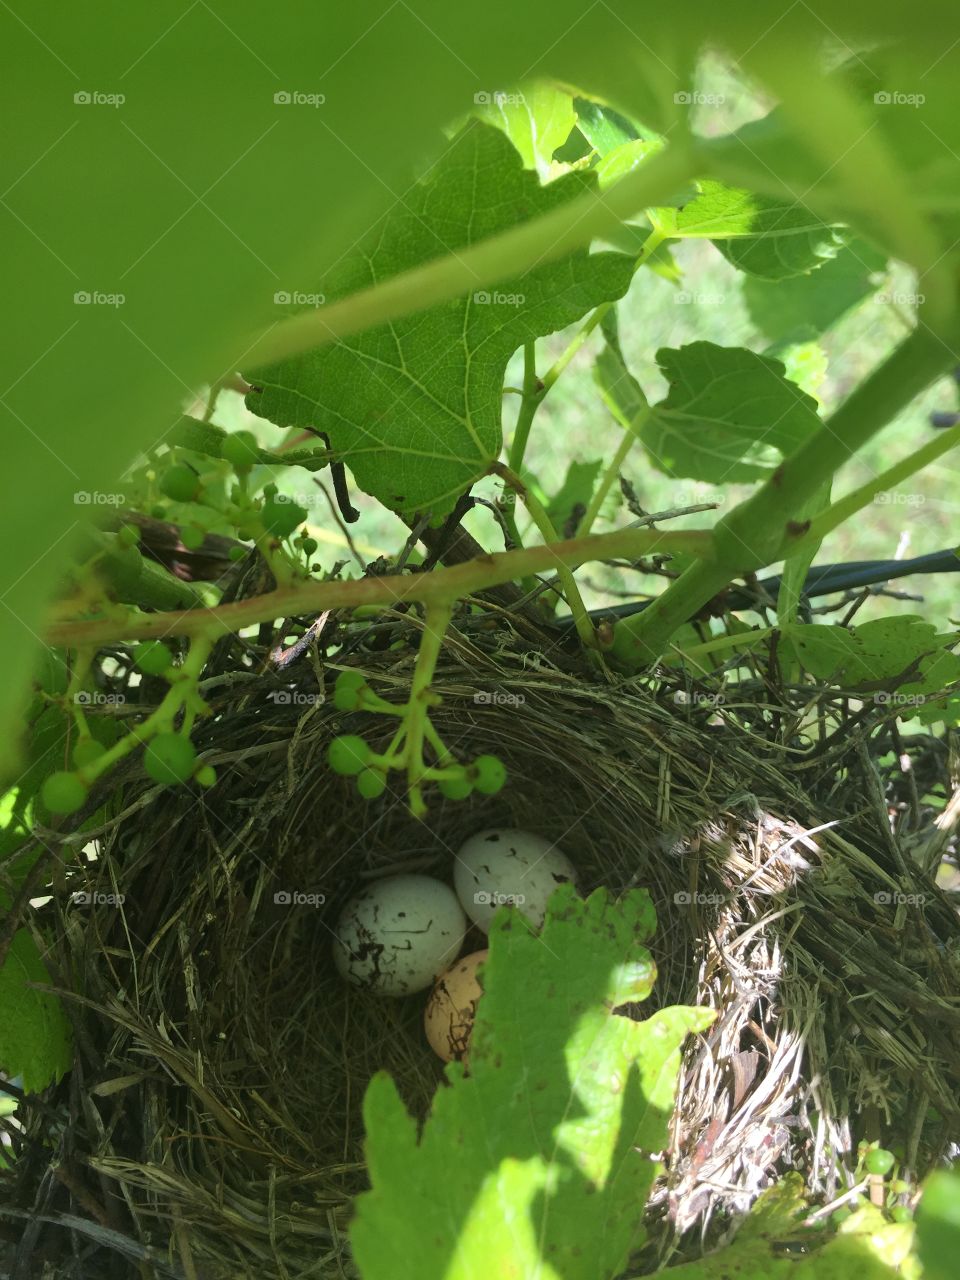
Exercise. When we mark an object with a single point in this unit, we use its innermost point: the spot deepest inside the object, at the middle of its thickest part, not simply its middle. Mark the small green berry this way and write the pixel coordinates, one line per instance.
(281, 518)
(170, 758)
(206, 775)
(901, 1213)
(179, 483)
(879, 1161)
(86, 751)
(348, 754)
(152, 657)
(158, 512)
(456, 786)
(489, 774)
(192, 537)
(241, 450)
(347, 692)
(371, 783)
(309, 546)
(270, 490)
(236, 553)
(63, 792)
(128, 535)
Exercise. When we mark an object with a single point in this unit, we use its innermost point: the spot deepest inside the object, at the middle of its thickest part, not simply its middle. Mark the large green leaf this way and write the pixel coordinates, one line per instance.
(729, 415)
(414, 406)
(538, 1163)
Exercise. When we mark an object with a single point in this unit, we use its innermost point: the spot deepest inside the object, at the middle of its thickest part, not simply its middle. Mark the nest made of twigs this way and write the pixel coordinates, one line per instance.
(212, 1119)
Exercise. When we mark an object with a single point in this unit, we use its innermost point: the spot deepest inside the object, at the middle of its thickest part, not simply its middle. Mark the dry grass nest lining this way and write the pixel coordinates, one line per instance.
(222, 1063)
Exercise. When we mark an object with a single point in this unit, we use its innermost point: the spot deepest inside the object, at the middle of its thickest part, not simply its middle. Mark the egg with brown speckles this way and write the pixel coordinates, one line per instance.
(452, 1007)
(396, 935)
(506, 867)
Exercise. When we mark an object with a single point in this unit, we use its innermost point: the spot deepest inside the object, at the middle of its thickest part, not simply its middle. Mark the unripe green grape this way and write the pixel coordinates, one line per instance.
(348, 754)
(371, 783)
(179, 482)
(241, 450)
(281, 518)
(206, 775)
(901, 1213)
(236, 553)
(879, 1162)
(158, 512)
(489, 774)
(152, 657)
(170, 758)
(128, 535)
(192, 537)
(309, 546)
(63, 792)
(455, 786)
(347, 691)
(86, 751)
(270, 490)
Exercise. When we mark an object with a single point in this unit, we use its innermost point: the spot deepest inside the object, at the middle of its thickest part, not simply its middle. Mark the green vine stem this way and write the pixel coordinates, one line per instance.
(181, 694)
(314, 597)
(844, 508)
(533, 393)
(578, 611)
(435, 624)
(763, 528)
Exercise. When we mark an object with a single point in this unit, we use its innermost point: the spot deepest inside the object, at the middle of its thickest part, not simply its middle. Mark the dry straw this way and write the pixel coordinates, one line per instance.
(211, 1125)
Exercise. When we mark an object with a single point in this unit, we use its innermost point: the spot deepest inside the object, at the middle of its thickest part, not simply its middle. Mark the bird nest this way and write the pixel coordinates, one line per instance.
(211, 1125)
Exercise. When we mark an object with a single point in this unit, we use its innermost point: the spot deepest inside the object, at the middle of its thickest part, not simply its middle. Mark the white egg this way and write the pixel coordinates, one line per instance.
(397, 935)
(504, 866)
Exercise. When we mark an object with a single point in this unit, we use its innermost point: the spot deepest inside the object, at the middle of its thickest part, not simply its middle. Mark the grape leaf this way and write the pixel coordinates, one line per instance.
(414, 407)
(762, 236)
(771, 1244)
(729, 415)
(603, 127)
(35, 1038)
(807, 305)
(901, 661)
(539, 1162)
(537, 121)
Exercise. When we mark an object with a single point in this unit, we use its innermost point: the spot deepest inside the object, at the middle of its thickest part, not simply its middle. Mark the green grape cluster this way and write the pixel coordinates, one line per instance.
(170, 758)
(352, 756)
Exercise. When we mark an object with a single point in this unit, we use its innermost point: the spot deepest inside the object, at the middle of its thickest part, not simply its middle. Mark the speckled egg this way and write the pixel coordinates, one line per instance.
(452, 1007)
(503, 866)
(395, 936)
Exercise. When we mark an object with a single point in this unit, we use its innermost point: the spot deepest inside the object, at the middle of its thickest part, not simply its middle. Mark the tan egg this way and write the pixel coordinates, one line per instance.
(448, 1020)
